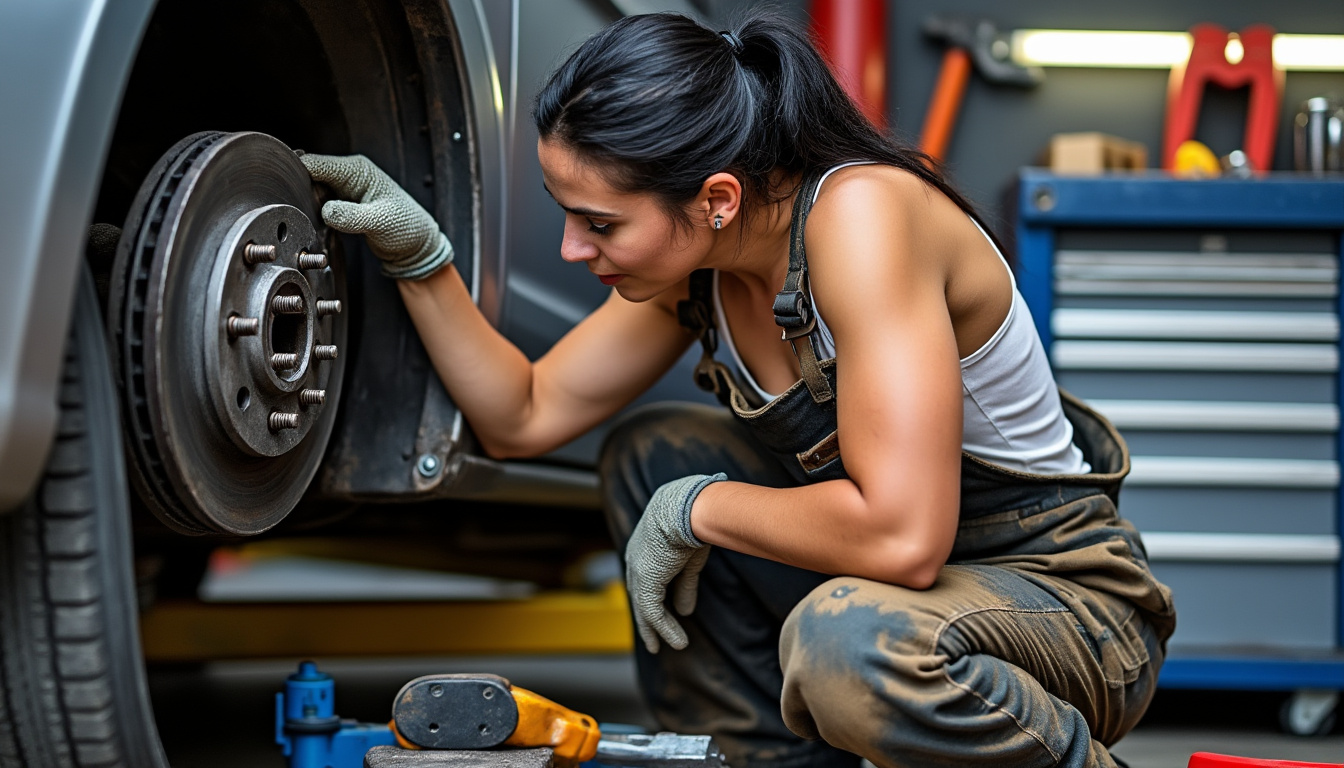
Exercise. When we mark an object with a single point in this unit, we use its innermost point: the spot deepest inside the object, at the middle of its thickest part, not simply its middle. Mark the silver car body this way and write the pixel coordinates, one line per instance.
(66, 64)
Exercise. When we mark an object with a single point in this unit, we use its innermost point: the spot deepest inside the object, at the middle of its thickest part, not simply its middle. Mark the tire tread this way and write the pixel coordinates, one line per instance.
(57, 706)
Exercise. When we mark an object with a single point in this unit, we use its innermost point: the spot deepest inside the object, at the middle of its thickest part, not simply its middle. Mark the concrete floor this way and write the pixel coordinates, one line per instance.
(221, 715)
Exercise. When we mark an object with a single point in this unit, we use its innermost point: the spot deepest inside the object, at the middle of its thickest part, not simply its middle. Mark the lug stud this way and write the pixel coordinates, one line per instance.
(279, 420)
(328, 307)
(242, 326)
(324, 351)
(287, 305)
(284, 361)
(312, 396)
(312, 261)
(254, 254)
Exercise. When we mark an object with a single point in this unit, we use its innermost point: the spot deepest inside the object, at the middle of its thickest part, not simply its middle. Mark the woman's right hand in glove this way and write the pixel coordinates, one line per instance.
(400, 233)
(663, 551)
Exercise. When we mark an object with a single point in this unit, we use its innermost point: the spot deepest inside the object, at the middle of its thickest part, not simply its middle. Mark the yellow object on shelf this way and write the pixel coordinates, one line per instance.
(1196, 161)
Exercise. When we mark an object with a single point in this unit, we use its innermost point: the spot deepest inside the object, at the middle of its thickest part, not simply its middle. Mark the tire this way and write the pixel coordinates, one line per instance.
(72, 683)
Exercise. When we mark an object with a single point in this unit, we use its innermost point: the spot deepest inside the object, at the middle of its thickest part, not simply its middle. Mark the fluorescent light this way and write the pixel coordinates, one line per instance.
(1070, 48)
(1159, 50)
(1315, 52)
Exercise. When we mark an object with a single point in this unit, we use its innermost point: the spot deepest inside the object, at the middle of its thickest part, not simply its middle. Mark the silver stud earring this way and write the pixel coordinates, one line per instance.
(718, 221)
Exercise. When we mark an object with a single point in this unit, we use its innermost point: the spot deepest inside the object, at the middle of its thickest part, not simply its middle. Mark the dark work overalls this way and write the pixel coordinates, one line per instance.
(1039, 643)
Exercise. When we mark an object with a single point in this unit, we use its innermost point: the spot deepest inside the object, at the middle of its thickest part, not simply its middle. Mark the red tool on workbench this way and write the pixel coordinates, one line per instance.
(1208, 63)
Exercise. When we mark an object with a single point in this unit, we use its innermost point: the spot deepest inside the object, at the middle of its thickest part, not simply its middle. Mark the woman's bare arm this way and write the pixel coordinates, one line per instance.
(518, 408)
(899, 400)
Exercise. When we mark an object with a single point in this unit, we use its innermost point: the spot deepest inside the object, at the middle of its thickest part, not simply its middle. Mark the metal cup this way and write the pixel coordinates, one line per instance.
(1318, 136)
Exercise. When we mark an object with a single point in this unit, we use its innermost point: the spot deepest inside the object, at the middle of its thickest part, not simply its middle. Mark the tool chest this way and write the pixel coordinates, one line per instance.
(1203, 318)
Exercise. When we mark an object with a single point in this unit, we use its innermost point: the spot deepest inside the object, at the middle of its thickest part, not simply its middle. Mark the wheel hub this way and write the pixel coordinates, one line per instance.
(228, 325)
(263, 324)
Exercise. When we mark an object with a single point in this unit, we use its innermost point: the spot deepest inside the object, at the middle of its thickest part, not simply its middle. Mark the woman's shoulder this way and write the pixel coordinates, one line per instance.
(871, 183)
(860, 200)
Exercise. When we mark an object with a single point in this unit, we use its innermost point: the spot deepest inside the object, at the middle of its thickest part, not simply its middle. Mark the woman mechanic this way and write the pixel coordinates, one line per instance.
(899, 540)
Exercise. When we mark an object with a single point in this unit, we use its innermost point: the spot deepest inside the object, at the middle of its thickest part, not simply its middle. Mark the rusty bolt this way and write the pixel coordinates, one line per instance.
(312, 396)
(279, 420)
(312, 261)
(287, 305)
(242, 326)
(283, 361)
(324, 351)
(253, 253)
(328, 307)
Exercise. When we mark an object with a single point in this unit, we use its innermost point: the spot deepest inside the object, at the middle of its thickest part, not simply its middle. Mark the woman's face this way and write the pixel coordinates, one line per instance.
(627, 240)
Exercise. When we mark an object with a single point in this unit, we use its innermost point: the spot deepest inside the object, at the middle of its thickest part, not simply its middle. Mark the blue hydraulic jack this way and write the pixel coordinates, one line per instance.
(308, 730)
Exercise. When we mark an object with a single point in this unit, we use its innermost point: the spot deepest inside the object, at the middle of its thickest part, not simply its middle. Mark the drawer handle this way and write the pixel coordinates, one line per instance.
(1219, 417)
(1185, 471)
(1194, 356)
(1240, 547)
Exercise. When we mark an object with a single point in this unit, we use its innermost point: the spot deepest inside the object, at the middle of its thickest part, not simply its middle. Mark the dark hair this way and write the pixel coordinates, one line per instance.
(660, 102)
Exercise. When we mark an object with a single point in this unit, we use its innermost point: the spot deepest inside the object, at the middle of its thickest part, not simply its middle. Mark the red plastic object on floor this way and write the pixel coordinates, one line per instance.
(1211, 760)
(1208, 64)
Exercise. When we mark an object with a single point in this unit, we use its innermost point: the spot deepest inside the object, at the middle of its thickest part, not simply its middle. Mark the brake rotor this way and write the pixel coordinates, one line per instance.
(226, 313)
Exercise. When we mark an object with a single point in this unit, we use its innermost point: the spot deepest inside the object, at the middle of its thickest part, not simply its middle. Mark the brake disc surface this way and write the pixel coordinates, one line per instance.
(226, 313)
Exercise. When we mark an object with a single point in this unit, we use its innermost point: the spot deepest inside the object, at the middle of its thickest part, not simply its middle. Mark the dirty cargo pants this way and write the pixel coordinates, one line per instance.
(1038, 645)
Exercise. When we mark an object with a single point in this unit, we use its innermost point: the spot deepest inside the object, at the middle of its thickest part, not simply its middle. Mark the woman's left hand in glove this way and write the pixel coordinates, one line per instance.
(662, 548)
(400, 233)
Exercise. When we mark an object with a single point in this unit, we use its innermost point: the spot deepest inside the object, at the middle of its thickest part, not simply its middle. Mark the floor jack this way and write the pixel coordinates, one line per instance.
(467, 721)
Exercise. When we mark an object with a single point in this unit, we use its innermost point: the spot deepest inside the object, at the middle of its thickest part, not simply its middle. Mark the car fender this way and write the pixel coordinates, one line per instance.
(66, 63)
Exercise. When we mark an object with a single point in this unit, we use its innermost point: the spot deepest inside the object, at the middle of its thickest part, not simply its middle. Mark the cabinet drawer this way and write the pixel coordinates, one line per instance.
(1252, 604)
(1238, 510)
(1200, 385)
(1262, 445)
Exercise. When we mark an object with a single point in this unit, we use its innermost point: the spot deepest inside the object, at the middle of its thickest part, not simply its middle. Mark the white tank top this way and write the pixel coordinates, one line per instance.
(1011, 414)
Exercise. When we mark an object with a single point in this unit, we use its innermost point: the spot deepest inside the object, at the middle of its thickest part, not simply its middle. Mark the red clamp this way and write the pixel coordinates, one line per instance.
(1208, 64)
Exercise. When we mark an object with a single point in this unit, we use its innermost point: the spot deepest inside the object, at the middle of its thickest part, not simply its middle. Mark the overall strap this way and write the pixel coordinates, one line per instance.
(793, 305)
(696, 314)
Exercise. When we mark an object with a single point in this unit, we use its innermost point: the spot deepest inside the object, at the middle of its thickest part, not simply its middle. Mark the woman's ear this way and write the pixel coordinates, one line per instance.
(720, 199)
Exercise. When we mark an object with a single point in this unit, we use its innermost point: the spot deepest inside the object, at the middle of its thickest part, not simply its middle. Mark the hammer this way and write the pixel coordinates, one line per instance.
(968, 42)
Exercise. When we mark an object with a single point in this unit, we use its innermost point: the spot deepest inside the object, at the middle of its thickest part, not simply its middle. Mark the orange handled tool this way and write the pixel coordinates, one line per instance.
(483, 711)
(972, 44)
(945, 103)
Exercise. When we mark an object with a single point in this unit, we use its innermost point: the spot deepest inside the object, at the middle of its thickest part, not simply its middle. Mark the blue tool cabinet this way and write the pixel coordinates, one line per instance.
(1203, 318)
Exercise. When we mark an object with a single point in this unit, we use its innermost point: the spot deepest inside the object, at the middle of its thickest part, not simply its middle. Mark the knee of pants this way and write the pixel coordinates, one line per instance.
(838, 650)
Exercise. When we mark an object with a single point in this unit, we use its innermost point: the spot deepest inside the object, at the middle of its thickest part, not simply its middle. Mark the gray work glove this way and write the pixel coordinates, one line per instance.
(400, 233)
(663, 548)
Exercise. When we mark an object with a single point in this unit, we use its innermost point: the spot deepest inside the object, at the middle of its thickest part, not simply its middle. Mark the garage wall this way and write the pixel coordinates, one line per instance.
(1001, 129)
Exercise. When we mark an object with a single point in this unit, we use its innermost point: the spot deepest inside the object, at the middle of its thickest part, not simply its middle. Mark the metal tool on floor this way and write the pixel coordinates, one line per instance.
(465, 721)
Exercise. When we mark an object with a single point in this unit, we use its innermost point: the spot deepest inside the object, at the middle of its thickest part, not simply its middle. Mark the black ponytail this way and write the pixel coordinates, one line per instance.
(660, 102)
